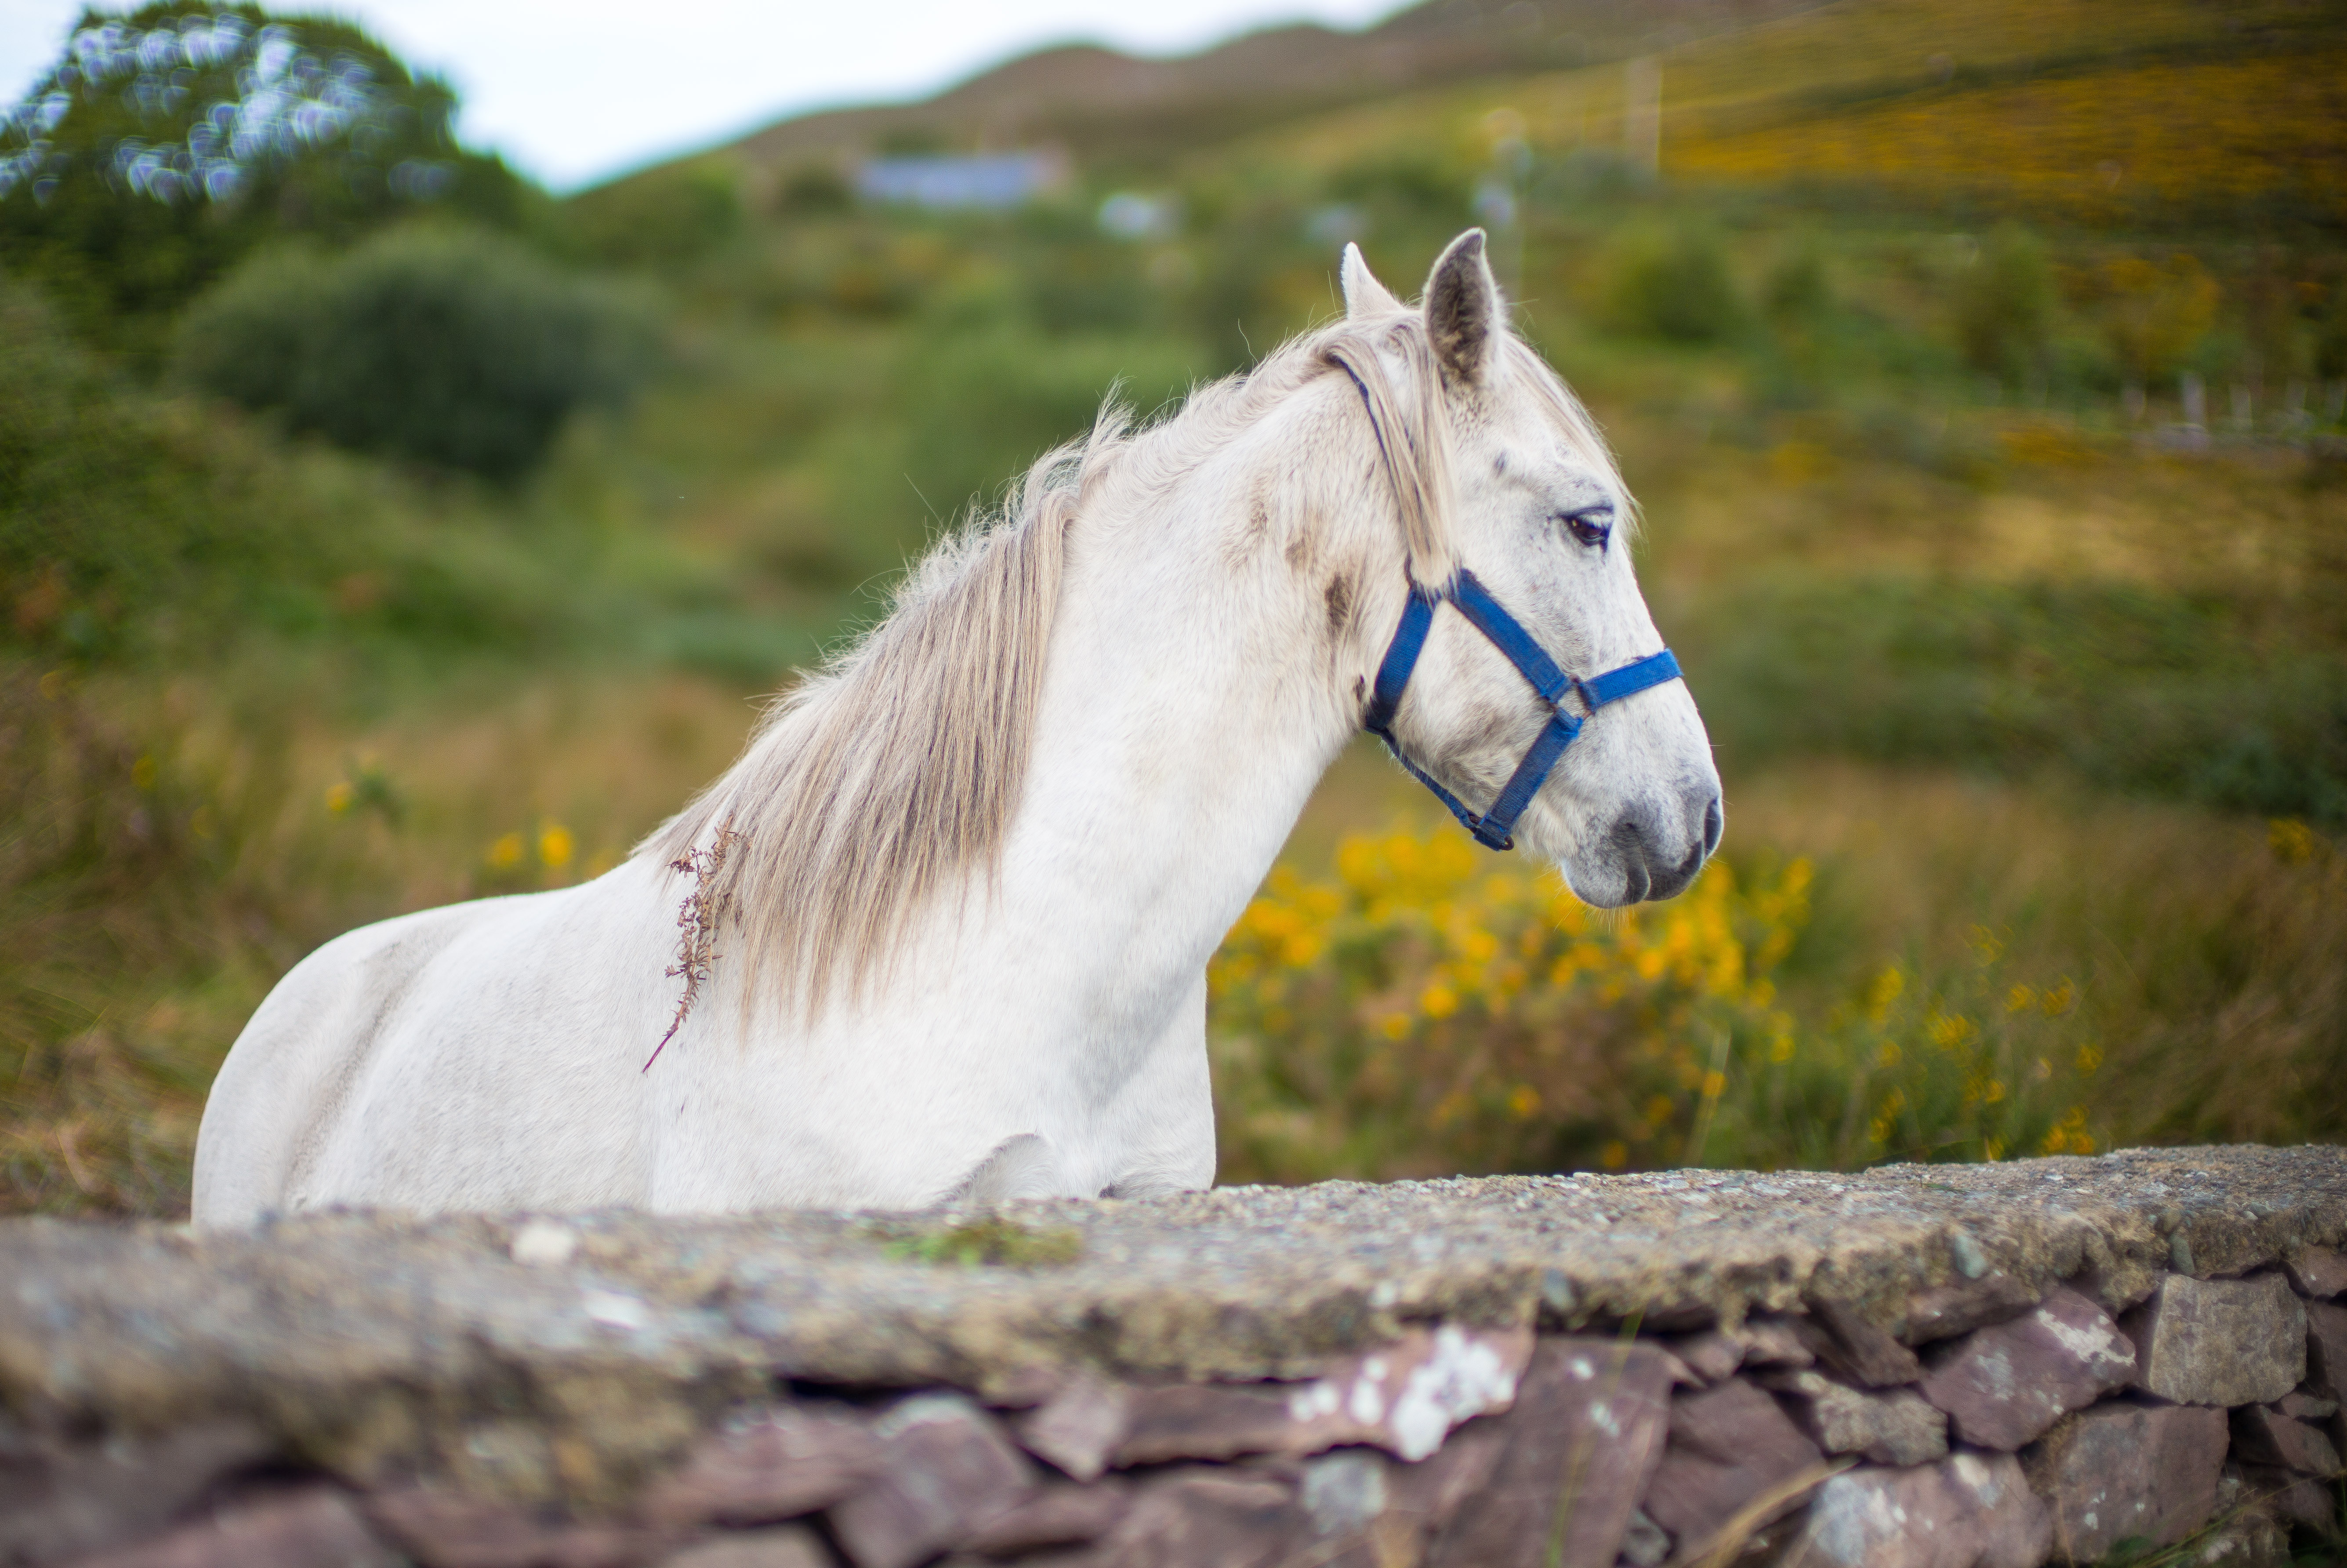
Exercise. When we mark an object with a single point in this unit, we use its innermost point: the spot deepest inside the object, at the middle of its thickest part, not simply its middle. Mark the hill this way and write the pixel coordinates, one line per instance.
(1116, 105)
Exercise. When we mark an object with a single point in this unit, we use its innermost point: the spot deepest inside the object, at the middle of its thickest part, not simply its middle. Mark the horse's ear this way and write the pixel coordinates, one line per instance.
(1462, 310)
(1364, 295)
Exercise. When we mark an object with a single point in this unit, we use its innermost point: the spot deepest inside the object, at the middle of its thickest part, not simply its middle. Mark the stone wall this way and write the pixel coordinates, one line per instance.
(1950, 1367)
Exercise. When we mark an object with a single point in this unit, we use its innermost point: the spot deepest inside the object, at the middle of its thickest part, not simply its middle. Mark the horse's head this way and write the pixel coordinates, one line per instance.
(1537, 515)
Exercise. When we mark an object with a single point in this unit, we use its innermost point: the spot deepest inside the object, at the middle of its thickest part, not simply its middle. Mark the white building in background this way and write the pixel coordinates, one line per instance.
(981, 182)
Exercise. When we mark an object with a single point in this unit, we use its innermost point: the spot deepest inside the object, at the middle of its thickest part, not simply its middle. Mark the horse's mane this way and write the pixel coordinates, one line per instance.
(880, 780)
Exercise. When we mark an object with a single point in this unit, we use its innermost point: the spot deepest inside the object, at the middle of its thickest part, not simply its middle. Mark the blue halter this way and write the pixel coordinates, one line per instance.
(1495, 828)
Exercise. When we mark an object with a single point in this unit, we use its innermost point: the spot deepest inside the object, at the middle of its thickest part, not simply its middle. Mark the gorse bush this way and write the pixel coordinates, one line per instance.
(1418, 1013)
(445, 346)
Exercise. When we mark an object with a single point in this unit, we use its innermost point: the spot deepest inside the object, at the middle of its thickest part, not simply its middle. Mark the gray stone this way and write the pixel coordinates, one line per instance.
(1644, 1544)
(2128, 1469)
(1404, 1398)
(1579, 1445)
(1899, 1427)
(1860, 1350)
(2220, 1341)
(2004, 1384)
(1962, 1306)
(2326, 1351)
(1970, 1510)
(2262, 1435)
(1079, 1427)
(1053, 1515)
(946, 1468)
(1208, 1519)
(315, 1527)
(2320, 1272)
(784, 1546)
(444, 1530)
(66, 1500)
(765, 1464)
(1728, 1446)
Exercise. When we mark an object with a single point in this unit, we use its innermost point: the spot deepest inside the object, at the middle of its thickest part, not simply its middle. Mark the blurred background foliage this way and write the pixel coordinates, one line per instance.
(378, 529)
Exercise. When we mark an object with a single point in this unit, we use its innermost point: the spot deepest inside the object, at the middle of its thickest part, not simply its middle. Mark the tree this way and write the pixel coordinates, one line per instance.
(166, 144)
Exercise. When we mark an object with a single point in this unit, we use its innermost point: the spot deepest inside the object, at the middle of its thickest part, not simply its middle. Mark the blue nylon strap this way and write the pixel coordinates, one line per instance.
(1476, 603)
(1630, 680)
(1496, 828)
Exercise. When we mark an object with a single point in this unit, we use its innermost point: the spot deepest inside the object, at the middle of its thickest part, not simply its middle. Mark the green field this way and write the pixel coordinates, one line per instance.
(2032, 703)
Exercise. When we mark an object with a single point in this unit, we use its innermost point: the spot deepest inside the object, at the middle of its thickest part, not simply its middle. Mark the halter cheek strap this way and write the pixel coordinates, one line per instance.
(1495, 828)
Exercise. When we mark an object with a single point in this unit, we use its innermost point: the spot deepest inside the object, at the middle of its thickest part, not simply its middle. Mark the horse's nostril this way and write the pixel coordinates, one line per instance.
(1714, 823)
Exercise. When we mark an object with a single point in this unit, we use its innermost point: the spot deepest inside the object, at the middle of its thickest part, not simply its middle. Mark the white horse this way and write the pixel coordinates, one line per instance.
(942, 931)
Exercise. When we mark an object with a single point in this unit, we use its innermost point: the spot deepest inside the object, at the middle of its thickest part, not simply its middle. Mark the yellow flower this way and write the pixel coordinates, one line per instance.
(2056, 1002)
(1523, 1102)
(505, 852)
(2292, 841)
(1950, 1030)
(1396, 1025)
(1715, 1084)
(2020, 999)
(339, 797)
(1438, 1001)
(1882, 991)
(555, 846)
(1615, 1155)
(2090, 1057)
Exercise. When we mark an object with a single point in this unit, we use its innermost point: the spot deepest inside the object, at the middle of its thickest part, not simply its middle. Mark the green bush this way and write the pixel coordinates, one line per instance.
(665, 218)
(2005, 304)
(2200, 698)
(450, 348)
(1671, 283)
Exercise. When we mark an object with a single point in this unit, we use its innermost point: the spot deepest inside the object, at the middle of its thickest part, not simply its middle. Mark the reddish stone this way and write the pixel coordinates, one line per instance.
(1207, 1518)
(2129, 1469)
(61, 1500)
(1971, 1511)
(766, 1465)
(2004, 1384)
(1079, 1427)
(2301, 1406)
(1573, 1456)
(1855, 1348)
(2326, 1350)
(786, 1546)
(1711, 1355)
(2300, 1500)
(447, 1530)
(2320, 1272)
(1203, 1420)
(2220, 1341)
(303, 1528)
(1770, 1339)
(1728, 1446)
(1404, 1398)
(2263, 1435)
(1053, 1515)
(1962, 1306)
(945, 1469)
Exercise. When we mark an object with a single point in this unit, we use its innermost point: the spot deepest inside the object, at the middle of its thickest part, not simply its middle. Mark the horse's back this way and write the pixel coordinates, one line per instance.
(395, 1067)
(290, 1073)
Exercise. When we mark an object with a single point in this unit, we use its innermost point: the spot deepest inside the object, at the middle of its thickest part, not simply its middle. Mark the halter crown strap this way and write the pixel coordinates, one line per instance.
(1495, 828)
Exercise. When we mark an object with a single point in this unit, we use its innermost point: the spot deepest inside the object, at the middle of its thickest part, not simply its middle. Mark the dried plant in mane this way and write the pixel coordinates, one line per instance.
(698, 918)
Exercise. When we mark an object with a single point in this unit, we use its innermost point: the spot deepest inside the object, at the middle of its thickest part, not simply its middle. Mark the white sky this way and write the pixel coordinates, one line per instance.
(572, 90)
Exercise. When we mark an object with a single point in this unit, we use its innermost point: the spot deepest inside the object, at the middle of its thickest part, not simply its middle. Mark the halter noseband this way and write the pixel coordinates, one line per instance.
(1495, 828)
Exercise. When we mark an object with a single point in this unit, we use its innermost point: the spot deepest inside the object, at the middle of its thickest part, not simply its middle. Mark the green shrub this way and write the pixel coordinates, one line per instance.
(2005, 304)
(2132, 688)
(664, 218)
(1671, 283)
(450, 347)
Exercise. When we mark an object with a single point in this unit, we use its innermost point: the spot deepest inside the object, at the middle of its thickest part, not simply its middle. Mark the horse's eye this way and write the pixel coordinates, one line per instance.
(1593, 526)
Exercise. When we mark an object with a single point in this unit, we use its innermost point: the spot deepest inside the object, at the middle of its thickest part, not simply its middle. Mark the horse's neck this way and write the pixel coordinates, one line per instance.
(1196, 694)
